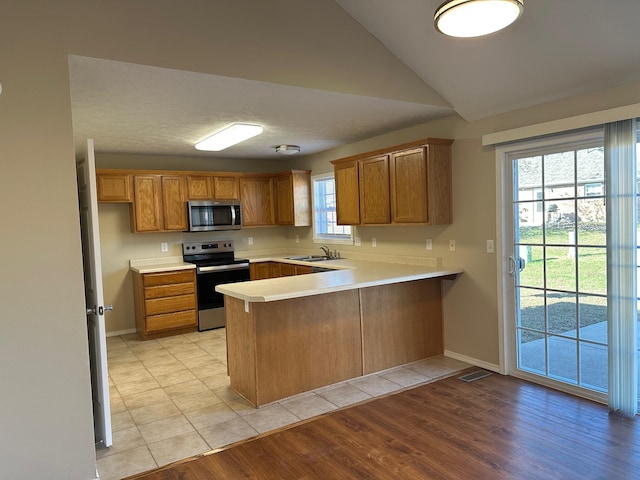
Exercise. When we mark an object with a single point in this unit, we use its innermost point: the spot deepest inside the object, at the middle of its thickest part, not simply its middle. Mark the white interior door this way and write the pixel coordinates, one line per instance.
(87, 193)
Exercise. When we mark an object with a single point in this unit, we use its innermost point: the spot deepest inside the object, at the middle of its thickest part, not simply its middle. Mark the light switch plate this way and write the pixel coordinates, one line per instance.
(164, 247)
(429, 244)
(490, 248)
(373, 242)
(357, 241)
(452, 245)
(250, 240)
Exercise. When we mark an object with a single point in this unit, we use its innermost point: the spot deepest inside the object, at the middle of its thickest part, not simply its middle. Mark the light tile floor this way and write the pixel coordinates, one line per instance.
(170, 399)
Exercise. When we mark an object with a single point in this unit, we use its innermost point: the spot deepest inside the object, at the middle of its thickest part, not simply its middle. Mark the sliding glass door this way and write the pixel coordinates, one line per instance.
(559, 266)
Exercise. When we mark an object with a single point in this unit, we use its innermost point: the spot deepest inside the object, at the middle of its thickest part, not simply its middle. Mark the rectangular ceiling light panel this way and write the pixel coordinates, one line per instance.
(236, 133)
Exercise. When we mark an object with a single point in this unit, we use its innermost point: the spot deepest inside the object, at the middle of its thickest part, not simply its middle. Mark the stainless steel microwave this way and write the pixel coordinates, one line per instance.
(209, 215)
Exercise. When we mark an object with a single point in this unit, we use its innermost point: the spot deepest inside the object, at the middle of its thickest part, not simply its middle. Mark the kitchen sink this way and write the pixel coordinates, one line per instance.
(309, 258)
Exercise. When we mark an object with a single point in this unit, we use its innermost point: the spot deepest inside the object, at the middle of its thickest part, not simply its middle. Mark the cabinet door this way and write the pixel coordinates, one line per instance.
(409, 187)
(257, 201)
(347, 193)
(174, 207)
(287, 269)
(284, 200)
(146, 206)
(199, 188)
(293, 198)
(274, 269)
(374, 190)
(225, 188)
(114, 187)
(260, 270)
(302, 270)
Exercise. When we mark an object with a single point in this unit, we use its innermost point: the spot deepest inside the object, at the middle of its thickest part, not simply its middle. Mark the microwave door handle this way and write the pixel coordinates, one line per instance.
(233, 215)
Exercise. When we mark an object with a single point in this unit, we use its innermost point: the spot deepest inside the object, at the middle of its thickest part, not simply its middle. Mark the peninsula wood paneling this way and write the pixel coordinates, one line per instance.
(401, 323)
(298, 350)
(279, 349)
(241, 348)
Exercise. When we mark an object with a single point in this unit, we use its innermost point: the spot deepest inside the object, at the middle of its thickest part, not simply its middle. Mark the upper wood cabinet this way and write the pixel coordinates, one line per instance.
(114, 187)
(199, 187)
(293, 198)
(374, 190)
(158, 197)
(212, 187)
(146, 211)
(159, 203)
(407, 184)
(174, 206)
(421, 185)
(226, 188)
(256, 194)
(347, 192)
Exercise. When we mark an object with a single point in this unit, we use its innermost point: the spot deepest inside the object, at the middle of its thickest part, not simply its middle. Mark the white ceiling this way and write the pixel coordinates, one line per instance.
(557, 49)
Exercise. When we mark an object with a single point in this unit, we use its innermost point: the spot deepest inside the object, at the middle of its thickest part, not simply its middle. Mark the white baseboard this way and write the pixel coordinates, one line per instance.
(473, 361)
(121, 332)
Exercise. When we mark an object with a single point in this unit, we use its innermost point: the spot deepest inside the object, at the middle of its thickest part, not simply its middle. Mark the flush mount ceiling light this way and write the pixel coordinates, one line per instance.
(287, 149)
(236, 133)
(474, 18)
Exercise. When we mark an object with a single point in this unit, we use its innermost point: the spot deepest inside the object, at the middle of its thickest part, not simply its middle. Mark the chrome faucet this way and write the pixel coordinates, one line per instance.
(327, 252)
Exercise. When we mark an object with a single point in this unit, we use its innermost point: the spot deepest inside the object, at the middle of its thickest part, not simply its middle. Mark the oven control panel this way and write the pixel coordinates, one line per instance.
(214, 246)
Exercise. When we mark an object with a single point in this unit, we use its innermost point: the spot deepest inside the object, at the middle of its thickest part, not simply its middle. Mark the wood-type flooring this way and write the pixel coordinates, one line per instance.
(497, 427)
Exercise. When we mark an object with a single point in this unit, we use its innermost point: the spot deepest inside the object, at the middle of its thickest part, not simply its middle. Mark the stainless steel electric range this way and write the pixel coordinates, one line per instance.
(215, 264)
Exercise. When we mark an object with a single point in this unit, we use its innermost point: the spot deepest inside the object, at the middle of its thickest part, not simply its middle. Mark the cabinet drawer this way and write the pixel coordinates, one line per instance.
(167, 278)
(169, 290)
(156, 306)
(170, 321)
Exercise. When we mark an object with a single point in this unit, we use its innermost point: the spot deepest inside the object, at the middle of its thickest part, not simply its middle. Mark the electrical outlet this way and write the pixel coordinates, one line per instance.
(373, 242)
(164, 247)
(490, 246)
(429, 244)
(297, 238)
(452, 245)
(357, 241)
(250, 240)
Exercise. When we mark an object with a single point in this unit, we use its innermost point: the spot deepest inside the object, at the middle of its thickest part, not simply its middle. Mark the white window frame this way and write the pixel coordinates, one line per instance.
(326, 238)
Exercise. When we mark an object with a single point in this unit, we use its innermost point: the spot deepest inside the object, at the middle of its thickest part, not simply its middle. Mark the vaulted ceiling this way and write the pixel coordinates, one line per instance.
(394, 71)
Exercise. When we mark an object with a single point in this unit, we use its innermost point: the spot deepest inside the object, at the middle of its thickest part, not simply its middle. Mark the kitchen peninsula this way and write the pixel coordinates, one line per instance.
(289, 335)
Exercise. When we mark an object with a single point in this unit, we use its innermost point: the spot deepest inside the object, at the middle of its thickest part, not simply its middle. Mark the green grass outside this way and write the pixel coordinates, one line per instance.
(565, 311)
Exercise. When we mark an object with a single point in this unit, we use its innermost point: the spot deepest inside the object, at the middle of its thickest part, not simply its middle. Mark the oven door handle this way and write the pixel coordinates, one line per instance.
(217, 268)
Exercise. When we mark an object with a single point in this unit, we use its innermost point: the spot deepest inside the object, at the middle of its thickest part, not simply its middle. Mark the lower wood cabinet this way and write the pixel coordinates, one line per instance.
(165, 303)
(260, 270)
(264, 270)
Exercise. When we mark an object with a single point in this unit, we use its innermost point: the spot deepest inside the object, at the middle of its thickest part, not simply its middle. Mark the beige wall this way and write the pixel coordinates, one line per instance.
(45, 414)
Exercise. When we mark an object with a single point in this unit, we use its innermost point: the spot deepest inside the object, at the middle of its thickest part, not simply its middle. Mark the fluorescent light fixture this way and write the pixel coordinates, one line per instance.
(474, 18)
(236, 133)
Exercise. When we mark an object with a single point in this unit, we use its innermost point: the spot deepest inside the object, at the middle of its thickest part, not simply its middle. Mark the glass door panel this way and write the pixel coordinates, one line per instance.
(560, 266)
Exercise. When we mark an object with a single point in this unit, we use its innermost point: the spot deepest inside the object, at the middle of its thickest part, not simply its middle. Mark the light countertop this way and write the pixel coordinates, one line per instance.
(156, 265)
(349, 274)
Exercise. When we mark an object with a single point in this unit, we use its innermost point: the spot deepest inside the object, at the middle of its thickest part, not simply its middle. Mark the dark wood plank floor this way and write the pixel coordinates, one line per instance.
(494, 428)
